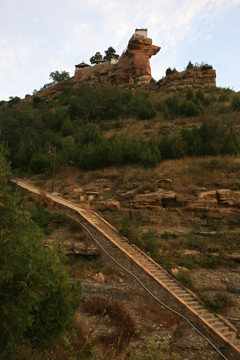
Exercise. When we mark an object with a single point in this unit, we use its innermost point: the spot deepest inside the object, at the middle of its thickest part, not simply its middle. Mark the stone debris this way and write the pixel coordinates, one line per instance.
(99, 277)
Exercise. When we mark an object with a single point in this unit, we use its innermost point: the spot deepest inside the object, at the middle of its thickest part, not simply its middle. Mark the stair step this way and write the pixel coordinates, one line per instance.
(230, 335)
(197, 307)
(170, 282)
(206, 316)
(236, 342)
(186, 297)
(192, 302)
(221, 327)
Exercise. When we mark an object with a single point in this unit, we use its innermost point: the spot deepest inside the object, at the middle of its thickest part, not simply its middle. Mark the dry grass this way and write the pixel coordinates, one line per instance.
(158, 315)
(120, 319)
(188, 175)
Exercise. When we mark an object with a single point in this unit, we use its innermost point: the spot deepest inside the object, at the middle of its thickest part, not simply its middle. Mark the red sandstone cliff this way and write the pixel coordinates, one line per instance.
(134, 65)
(197, 77)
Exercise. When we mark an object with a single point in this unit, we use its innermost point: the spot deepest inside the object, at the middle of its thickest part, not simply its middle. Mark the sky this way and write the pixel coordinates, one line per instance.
(39, 37)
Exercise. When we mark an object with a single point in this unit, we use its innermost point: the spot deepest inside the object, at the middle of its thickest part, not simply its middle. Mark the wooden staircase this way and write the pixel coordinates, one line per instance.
(219, 325)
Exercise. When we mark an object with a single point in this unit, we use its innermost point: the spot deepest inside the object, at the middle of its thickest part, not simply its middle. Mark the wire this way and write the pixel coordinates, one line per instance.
(140, 282)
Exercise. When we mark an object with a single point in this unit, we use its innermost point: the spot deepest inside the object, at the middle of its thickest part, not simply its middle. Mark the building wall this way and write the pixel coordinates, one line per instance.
(90, 71)
(142, 32)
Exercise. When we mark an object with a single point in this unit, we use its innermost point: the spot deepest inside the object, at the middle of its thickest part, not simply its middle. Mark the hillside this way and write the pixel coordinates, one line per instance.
(162, 167)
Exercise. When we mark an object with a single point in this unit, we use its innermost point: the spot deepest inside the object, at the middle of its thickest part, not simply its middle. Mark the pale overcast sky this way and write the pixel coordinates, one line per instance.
(38, 37)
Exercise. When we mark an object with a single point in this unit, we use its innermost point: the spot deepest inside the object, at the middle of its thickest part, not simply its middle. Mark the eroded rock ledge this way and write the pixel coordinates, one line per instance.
(198, 77)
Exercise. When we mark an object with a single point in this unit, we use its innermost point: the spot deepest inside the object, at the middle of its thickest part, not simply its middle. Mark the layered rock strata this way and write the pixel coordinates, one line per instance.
(197, 77)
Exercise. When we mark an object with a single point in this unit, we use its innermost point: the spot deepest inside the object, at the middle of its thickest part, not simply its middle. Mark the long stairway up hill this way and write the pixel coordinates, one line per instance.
(221, 333)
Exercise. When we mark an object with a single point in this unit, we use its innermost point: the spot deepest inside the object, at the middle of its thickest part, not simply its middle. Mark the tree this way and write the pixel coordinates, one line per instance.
(170, 71)
(94, 59)
(36, 300)
(59, 76)
(110, 53)
(189, 65)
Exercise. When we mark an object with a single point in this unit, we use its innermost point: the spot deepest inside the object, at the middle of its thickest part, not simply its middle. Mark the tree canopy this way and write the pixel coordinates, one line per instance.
(36, 300)
(95, 58)
(109, 54)
(59, 76)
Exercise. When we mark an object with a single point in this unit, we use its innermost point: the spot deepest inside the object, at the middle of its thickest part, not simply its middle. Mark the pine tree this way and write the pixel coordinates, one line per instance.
(36, 300)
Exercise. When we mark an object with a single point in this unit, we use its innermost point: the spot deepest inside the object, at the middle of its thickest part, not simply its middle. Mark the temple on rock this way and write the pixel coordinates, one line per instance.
(132, 68)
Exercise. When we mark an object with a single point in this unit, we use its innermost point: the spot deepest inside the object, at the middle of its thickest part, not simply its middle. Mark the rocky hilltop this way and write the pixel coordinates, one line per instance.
(196, 78)
(133, 67)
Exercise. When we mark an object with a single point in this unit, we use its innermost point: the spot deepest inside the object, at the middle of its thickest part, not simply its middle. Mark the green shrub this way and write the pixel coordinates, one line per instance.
(236, 103)
(188, 108)
(189, 66)
(200, 95)
(150, 242)
(41, 163)
(223, 97)
(190, 94)
(217, 302)
(145, 111)
(170, 71)
(184, 276)
(154, 351)
(41, 216)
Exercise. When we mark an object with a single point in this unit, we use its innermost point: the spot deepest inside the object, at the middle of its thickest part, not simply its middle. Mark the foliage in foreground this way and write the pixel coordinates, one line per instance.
(36, 300)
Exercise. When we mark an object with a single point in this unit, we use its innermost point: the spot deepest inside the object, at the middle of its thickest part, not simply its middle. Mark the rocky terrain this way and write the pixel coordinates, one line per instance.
(195, 78)
(139, 318)
(197, 234)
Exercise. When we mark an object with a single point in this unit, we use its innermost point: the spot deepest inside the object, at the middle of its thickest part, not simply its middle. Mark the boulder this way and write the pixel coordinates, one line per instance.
(99, 277)
(228, 197)
(73, 247)
(106, 205)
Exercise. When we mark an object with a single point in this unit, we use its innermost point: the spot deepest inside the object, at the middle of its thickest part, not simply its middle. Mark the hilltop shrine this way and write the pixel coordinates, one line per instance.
(132, 68)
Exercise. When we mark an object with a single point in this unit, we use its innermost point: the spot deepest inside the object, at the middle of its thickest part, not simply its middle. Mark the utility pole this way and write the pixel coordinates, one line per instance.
(54, 167)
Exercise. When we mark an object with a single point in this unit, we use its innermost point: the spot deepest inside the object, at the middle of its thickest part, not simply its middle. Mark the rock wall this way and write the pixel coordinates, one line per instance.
(94, 73)
(197, 77)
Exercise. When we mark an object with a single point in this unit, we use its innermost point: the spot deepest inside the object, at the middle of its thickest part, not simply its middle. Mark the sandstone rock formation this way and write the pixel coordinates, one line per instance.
(134, 65)
(132, 68)
(71, 244)
(197, 77)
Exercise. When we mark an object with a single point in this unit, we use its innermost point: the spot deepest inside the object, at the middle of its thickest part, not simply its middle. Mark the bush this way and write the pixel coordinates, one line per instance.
(217, 302)
(150, 157)
(190, 94)
(223, 97)
(236, 103)
(200, 95)
(150, 242)
(188, 108)
(170, 71)
(184, 276)
(146, 111)
(41, 163)
(189, 66)
(154, 351)
(41, 216)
